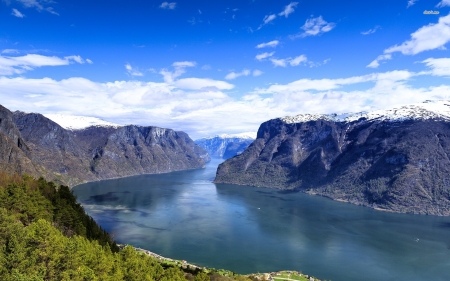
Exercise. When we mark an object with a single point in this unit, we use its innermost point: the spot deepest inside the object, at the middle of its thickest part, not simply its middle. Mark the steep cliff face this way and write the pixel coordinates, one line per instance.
(133, 150)
(225, 146)
(14, 152)
(36, 145)
(400, 165)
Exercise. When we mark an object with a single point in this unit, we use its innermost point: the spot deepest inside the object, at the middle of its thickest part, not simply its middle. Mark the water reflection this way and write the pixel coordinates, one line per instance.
(183, 215)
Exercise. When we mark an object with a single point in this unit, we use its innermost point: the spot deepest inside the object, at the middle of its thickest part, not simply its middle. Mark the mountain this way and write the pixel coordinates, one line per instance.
(34, 144)
(396, 160)
(226, 146)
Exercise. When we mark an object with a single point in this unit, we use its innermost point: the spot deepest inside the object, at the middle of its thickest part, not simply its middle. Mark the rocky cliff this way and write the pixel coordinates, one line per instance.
(395, 160)
(226, 146)
(33, 144)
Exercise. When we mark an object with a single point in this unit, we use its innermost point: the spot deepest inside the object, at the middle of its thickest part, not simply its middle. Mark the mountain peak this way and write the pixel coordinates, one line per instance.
(73, 122)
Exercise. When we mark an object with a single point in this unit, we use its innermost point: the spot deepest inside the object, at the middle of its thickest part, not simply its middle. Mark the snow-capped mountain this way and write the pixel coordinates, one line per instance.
(395, 159)
(72, 122)
(420, 111)
(226, 145)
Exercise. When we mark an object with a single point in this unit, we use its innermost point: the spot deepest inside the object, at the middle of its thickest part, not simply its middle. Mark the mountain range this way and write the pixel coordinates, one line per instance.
(226, 146)
(89, 149)
(394, 160)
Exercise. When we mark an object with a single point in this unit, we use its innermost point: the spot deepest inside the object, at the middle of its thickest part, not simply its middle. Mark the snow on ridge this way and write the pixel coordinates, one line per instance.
(245, 135)
(420, 111)
(73, 122)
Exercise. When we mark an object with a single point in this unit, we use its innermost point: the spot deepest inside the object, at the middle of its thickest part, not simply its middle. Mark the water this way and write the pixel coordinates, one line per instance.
(182, 215)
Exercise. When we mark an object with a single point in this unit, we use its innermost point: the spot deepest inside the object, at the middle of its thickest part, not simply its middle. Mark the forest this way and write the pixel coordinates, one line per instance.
(46, 235)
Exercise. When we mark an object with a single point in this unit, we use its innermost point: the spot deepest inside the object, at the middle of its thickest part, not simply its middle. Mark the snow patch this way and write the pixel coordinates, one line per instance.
(72, 122)
(420, 111)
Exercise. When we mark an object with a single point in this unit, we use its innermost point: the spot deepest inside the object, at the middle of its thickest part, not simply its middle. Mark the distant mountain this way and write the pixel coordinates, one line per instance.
(32, 143)
(395, 159)
(226, 146)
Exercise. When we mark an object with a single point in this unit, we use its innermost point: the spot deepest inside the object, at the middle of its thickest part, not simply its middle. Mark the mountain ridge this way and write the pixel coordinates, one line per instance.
(399, 166)
(41, 147)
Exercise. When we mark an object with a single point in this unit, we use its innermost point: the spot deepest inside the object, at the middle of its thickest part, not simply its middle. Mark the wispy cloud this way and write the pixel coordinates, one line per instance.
(264, 55)
(314, 27)
(289, 9)
(267, 19)
(411, 3)
(10, 51)
(279, 62)
(133, 71)
(234, 75)
(180, 68)
(443, 3)
(271, 44)
(289, 61)
(376, 62)
(428, 37)
(20, 64)
(167, 5)
(17, 13)
(439, 67)
(39, 5)
(257, 72)
(370, 31)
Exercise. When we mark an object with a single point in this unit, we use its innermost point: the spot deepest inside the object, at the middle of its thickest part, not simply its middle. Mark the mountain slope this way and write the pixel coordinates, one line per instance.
(396, 161)
(33, 144)
(226, 146)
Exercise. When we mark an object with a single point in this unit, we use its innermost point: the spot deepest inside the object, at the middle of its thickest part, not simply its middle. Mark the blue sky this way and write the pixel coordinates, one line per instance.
(209, 67)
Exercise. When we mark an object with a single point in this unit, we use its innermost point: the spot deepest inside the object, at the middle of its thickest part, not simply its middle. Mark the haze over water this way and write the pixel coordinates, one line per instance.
(183, 215)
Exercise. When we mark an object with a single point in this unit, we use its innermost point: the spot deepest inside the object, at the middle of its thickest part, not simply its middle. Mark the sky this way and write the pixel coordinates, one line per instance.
(215, 67)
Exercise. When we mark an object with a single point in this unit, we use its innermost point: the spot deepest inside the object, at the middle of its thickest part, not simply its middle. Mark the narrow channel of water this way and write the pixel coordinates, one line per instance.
(183, 215)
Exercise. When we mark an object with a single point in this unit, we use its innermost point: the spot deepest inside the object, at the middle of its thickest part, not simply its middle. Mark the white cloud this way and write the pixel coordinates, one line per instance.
(376, 62)
(257, 72)
(17, 13)
(234, 75)
(202, 83)
(439, 67)
(269, 18)
(370, 31)
(10, 51)
(38, 5)
(199, 106)
(428, 37)
(133, 71)
(167, 5)
(411, 3)
(279, 62)
(206, 67)
(180, 68)
(289, 9)
(443, 3)
(271, 44)
(89, 61)
(298, 60)
(315, 26)
(263, 56)
(291, 61)
(20, 64)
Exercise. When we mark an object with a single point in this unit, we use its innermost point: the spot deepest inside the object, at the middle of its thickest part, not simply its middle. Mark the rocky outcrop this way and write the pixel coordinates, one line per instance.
(14, 152)
(401, 165)
(34, 144)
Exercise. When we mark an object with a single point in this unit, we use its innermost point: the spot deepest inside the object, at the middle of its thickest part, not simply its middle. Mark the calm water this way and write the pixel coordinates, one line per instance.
(182, 215)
